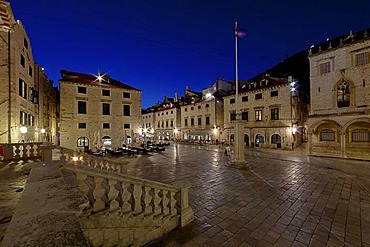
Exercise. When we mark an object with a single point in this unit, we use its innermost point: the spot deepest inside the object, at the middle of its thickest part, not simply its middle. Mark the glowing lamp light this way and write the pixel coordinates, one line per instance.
(42, 130)
(215, 130)
(152, 131)
(208, 95)
(145, 130)
(100, 78)
(23, 129)
(294, 130)
(176, 130)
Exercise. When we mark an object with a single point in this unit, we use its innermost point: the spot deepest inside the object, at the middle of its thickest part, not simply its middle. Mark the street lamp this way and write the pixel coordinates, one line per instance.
(292, 90)
(42, 131)
(144, 131)
(23, 130)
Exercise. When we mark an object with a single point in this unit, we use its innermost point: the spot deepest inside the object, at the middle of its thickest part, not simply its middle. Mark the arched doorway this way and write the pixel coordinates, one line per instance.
(259, 139)
(107, 142)
(276, 139)
(83, 142)
(246, 140)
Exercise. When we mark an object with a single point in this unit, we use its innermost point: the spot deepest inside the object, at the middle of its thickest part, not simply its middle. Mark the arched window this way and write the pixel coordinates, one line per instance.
(82, 142)
(343, 94)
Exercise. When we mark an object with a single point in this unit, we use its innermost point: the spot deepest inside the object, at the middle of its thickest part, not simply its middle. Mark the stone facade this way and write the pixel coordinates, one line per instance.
(21, 86)
(98, 112)
(271, 112)
(339, 121)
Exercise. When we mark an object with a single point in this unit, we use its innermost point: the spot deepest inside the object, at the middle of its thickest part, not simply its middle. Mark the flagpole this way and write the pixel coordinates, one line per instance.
(236, 73)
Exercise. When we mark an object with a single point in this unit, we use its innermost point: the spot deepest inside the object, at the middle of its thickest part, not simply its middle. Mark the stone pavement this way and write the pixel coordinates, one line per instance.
(284, 198)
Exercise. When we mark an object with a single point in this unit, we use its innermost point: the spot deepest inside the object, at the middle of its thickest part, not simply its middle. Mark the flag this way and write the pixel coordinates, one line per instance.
(239, 33)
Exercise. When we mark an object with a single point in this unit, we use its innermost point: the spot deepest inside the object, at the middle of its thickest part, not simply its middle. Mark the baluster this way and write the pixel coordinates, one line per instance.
(112, 195)
(137, 198)
(83, 184)
(165, 203)
(172, 203)
(126, 195)
(31, 151)
(98, 193)
(17, 151)
(157, 201)
(148, 209)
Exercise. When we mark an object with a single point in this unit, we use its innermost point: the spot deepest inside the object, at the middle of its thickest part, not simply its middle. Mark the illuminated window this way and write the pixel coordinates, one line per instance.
(22, 88)
(258, 115)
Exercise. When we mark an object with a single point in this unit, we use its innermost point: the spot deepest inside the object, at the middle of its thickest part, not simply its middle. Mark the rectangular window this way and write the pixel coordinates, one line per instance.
(126, 95)
(192, 121)
(275, 114)
(361, 136)
(159, 124)
(192, 108)
(207, 120)
(22, 88)
(244, 98)
(324, 68)
(274, 93)
(207, 105)
(106, 109)
(258, 115)
(199, 107)
(82, 107)
(23, 118)
(105, 92)
(34, 96)
(82, 90)
(31, 120)
(186, 109)
(258, 96)
(327, 135)
(126, 110)
(232, 116)
(199, 121)
(232, 101)
(23, 61)
(171, 123)
(82, 125)
(362, 58)
(106, 125)
(186, 122)
(245, 115)
(30, 71)
(126, 126)
(166, 123)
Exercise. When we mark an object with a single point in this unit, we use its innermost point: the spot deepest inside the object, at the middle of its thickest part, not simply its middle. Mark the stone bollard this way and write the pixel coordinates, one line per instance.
(47, 153)
(8, 151)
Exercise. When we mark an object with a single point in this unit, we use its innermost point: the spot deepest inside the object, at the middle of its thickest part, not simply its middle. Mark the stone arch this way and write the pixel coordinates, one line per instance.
(315, 126)
(276, 139)
(259, 138)
(356, 137)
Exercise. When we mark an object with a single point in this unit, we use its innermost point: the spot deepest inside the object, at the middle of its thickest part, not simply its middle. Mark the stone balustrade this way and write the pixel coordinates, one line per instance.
(19, 151)
(136, 211)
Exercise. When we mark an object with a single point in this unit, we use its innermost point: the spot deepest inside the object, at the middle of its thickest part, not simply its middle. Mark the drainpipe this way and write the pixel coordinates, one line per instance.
(9, 93)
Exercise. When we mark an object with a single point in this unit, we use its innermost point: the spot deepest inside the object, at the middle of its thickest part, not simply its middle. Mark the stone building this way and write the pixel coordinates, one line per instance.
(339, 121)
(202, 114)
(98, 112)
(26, 96)
(271, 109)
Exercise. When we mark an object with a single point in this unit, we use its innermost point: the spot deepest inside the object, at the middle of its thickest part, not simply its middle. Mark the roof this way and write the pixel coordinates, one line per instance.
(92, 80)
(6, 14)
(339, 41)
(262, 82)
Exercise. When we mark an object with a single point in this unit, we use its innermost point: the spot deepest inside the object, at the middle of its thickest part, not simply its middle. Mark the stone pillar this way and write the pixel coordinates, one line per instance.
(186, 213)
(47, 153)
(310, 143)
(343, 145)
(238, 159)
(8, 151)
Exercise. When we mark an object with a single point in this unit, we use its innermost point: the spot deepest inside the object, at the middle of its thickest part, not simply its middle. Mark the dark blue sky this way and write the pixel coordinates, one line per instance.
(160, 46)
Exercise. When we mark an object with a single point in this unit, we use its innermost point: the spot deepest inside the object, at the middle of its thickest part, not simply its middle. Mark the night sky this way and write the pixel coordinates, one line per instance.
(160, 46)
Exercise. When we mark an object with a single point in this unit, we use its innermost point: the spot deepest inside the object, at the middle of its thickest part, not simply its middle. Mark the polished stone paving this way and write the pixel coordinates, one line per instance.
(282, 198)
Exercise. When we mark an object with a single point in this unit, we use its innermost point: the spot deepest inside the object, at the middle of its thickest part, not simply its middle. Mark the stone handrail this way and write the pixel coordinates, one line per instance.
(125, 210)
(110, 192)
(92, 161)
(26, 150)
